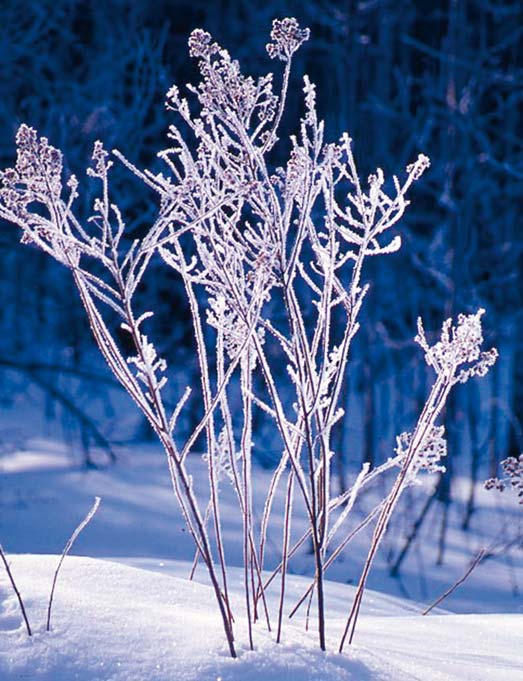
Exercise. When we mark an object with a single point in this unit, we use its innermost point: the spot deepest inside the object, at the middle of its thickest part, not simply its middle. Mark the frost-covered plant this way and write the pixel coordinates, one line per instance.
(105, 272)
(513, 469)
(455, 358)
(272, 262)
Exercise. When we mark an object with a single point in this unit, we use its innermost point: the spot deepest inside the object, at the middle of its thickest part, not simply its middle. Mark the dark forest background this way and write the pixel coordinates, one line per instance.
(444, 78)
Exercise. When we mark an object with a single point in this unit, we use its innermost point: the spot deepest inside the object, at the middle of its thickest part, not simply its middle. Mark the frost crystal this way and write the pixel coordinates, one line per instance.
(224, 460)
(148, 366)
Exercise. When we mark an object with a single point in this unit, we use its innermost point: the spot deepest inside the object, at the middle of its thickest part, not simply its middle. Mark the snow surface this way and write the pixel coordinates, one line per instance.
(128, 612)
(114, 622)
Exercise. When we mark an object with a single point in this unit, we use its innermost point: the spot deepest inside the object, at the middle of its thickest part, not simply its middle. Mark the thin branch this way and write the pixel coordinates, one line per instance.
(15, 589)
(66, 550)
(475, 562)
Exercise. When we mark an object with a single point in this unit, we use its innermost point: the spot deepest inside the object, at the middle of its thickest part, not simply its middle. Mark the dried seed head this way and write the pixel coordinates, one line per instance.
(420, 165)
(459, 345)
(201, 45)
(36, 175)
(287, 36)
(513, 469)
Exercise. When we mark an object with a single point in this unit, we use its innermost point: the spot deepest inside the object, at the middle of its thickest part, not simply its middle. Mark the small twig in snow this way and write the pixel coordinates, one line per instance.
(66, 550)
(15, 589)
(476, 561)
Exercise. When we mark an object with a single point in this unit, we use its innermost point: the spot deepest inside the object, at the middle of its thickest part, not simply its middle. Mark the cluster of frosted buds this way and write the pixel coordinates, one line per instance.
(36, 175)
(429, 455)
(101, 164)
(297, 168)
(513, 469)
(419, 166)
(224, 91)
(287, 36)
(201, 45)
(459, 345)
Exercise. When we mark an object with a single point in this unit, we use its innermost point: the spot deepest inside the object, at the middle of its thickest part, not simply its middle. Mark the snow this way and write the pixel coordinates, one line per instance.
(126, 610)
(112, 621)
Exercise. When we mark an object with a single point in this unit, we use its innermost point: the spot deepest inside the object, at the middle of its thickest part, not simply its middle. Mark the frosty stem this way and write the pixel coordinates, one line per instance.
(15, 589)
(67, 548)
